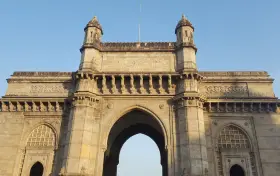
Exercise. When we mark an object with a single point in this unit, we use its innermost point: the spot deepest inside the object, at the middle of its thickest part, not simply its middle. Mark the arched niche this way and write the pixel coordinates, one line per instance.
(39, 148)
(133, 122)
(37, 169)
(234, 148)
(236, 170)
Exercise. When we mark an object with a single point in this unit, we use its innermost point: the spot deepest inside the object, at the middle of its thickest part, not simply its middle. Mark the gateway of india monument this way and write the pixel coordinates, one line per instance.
(204, 123)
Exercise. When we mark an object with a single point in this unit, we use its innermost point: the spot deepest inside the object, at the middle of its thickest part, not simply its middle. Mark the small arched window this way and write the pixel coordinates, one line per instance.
(37, 169)
(236, 170)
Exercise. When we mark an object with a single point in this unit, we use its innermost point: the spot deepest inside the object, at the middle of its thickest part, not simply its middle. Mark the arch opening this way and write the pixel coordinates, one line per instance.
(139, 156)
(130, 124)
(37, 169)
(236, 170)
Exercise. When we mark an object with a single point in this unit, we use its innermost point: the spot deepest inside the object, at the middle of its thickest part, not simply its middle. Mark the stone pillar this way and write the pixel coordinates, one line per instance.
(190, 127)
(82, 141)
(111, 165)
(192, 142)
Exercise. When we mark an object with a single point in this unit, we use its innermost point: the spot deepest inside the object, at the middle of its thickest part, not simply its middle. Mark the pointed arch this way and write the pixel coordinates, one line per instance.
(133, 108)
(236, 170)
(37, 169)
(41, 136)
(129, 122)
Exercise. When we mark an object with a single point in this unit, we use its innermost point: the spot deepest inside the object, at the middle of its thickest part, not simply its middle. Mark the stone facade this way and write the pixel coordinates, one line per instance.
(75, 123)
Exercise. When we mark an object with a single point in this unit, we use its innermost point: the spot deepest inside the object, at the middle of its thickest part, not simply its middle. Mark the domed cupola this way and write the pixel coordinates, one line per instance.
(94, 23)
(183, 22)
(93, 32)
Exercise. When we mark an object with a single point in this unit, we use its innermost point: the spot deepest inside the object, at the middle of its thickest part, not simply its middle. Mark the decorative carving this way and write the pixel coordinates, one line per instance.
(12, 107)
(151, 88)
(42, 107)
(239, 107)
(59, 88)
(253, 164)
(104, 86)
(57, 106)
(132, 86)
(35, 108)
(4, 107)
(144, 46)
(122, 84)
(161, 106)
(42, 136)
(22, 155)
(234, 74)
(169, 83)
(50, 107)
(160, 84)
(43, 74)
(19, 106)
(114, 89)
(141, 85)
(226, 89)
(232, 137)
(27, 107)
(109, 105)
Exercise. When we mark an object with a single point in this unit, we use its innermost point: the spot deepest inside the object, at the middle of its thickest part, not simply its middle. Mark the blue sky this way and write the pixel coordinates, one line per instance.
(46, 35)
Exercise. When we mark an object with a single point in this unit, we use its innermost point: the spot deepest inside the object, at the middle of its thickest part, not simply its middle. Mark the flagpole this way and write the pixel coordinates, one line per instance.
(139, 25)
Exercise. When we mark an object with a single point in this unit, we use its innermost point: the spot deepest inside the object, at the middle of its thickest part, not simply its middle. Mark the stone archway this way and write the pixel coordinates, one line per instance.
(37, 169)
(236, 170)
(134, 122)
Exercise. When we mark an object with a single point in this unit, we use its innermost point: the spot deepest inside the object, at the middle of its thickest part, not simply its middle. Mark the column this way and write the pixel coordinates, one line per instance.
(192, 142)
(83, 131)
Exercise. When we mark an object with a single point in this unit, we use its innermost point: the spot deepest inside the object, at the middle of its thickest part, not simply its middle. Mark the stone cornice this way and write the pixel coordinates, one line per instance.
(42, 74)
(234, 73)
(33, 105)
(208, 74)
(132, 46)
(242, 107)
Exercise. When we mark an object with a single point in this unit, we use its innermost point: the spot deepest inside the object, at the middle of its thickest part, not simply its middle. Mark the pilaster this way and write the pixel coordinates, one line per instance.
(191, 131)
(191, 139)
(81, 151)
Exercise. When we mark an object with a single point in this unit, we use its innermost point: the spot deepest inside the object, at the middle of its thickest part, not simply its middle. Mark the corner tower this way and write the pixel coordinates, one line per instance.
(191, 142)
(81, 150)
(90, 51)
(186, 50)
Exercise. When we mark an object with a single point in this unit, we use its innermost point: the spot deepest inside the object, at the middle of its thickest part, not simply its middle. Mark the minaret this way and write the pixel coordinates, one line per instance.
(186, 50)
(90, 58)
(192, 151)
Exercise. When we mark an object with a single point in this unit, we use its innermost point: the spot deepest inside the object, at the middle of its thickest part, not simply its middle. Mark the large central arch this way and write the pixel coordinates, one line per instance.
(133, 122)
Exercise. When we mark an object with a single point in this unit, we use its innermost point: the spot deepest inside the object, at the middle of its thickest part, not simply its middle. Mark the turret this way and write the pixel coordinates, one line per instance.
(186, 50)
(93, 31)
(90, 58)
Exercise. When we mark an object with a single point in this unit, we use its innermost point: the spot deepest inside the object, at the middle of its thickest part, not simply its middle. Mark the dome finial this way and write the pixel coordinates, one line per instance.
(183, 22)
(94, 23)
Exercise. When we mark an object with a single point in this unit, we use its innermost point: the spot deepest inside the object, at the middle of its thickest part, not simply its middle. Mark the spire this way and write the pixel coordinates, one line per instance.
(183, 22)
(94, 23)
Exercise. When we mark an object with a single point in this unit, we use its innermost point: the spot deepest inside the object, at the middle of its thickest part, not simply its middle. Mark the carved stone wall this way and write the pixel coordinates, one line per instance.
(138, 62)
